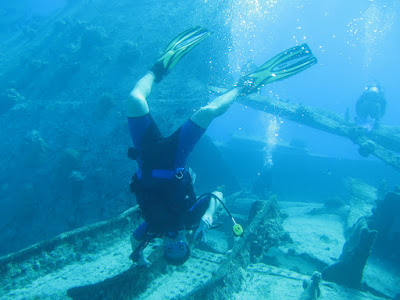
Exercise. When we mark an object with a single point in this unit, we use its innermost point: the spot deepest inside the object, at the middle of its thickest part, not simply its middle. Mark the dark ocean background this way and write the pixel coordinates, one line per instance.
(67, 66)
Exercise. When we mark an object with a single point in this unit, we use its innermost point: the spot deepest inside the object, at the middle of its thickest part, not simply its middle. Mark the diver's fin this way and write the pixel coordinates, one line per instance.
(178, 48)
(182, 44)
(281, 66)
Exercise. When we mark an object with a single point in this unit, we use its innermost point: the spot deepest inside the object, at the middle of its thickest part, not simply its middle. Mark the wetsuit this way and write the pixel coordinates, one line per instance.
(371, 104)
(162, 184)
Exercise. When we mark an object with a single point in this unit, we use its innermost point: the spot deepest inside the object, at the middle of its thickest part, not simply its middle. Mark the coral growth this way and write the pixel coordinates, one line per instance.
(311, 287)
(367, 148)
(349, 269)
(386, 220)
(69, 161)
(76, 181)
(8, 99)
(34, 149)
(37, 65)
(92, 37)
(271, 233)
(129, 53)
(105, 104)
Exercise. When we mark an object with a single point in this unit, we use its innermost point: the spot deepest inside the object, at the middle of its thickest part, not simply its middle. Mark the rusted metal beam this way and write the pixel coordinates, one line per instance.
(382, 142)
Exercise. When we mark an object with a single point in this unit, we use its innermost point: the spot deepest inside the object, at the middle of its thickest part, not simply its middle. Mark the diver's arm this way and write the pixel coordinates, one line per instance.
(134, 243)
(137, 105)
(220, 105)
(212, 207)
(208, 217)
(140, 259)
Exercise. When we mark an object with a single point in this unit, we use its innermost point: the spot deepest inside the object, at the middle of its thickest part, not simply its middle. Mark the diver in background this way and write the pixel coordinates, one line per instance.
(371, 107)
(162, 184)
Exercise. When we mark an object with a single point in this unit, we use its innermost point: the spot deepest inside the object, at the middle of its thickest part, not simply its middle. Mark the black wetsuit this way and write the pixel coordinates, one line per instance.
(371, 104)
(162, 184)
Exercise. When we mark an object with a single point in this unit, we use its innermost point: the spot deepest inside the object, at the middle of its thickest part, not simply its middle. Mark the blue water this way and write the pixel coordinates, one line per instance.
(356, 44)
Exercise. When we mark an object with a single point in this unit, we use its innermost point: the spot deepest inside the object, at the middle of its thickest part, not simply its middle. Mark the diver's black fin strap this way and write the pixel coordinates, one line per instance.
(178, 48)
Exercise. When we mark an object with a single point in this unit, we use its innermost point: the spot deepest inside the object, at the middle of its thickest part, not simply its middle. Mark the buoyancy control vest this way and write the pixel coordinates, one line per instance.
(163, 190)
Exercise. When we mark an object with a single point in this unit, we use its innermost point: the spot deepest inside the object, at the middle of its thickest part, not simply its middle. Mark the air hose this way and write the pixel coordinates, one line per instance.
(237, 228)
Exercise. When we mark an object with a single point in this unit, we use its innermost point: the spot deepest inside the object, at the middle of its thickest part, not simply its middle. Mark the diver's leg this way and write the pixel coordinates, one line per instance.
(139, 119)
(137, 105)
(176, 49)
(216, 108)
(190, 132)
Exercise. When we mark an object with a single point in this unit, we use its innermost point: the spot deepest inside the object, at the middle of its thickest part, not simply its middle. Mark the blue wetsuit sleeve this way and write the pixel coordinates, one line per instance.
(194, 214)
(190, 134)
(137, 128)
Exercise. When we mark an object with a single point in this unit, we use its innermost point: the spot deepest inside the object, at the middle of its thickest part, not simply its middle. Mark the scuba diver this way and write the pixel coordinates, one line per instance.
(371, 107)
(163, 184)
